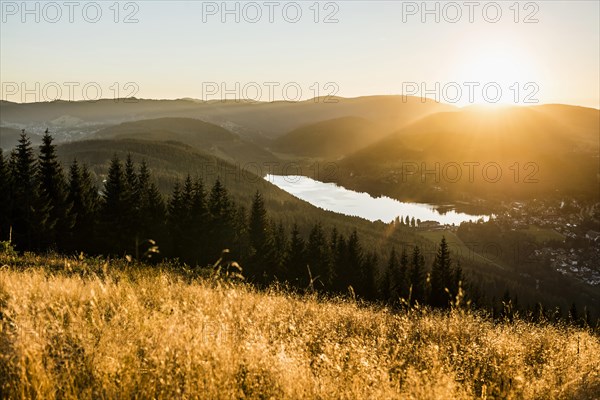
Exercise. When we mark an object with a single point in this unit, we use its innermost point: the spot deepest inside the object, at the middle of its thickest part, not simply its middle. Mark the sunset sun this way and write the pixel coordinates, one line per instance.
(498, 74)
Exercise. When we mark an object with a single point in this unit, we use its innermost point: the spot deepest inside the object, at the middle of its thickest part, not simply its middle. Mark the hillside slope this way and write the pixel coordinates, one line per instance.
(333, 138)
(170, 162)
(205, 136)
(515, 152)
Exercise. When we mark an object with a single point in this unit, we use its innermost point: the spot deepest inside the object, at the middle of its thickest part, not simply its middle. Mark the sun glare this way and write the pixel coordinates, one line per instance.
(495, 70)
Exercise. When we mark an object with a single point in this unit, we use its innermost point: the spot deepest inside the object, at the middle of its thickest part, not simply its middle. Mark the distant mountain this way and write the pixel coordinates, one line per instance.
(256, 120)
(332, 138)
(547, 149)
(208, 137)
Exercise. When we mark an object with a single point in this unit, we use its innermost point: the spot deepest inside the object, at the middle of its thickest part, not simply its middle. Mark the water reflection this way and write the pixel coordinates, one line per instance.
(335, 198)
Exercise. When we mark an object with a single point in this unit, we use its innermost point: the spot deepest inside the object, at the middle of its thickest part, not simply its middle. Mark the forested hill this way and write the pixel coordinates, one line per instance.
(199, 134)
(512, 153)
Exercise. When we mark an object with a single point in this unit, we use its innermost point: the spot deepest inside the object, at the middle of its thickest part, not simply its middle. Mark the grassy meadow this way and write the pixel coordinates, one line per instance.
(90, 329)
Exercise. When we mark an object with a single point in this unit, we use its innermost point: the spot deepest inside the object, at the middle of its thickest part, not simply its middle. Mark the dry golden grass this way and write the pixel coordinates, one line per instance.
(81, 329)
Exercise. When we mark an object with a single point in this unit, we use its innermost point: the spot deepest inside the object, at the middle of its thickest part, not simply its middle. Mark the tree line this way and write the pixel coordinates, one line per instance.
(43, 208)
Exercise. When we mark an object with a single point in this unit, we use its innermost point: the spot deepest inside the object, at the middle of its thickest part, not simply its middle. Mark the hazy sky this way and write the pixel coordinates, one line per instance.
(182, 49)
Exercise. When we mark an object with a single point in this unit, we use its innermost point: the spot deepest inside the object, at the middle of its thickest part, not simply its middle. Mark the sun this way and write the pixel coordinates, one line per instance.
(498, 73)
(493, 67)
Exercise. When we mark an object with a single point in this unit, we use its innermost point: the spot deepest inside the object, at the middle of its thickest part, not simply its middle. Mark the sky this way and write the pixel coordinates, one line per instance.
(462, 53)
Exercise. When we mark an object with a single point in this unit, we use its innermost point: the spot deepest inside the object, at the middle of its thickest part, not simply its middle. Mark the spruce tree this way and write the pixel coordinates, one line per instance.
(403, 280)
(368, 287)
(84, 202)
(387, 287)
(187, 239)
(441, 277)
(131, 196)
(150, 207)
(177, 214)
(181, 223)
(53, 194)
(241, 239)
(457, 280)
(261, 249)
(25, 219)
(221, 220)
(115, 214)
(130, 175)
(417, 277)
(296, 259)
(5, 196)
(342, 276)
(198, 222)
(317, 252)
(279, 253)
(398, 275)
(354, 259)
(257, 225)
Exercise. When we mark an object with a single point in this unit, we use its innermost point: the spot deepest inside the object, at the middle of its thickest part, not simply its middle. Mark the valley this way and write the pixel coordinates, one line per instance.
(406, 151)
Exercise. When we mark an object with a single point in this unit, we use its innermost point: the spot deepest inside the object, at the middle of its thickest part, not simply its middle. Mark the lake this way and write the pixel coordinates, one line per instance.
(332, 197)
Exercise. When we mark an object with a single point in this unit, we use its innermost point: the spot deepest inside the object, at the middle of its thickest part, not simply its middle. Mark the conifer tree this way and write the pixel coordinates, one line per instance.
(84, 202)
(340, 264)
(53, 195)
(115, 214)
(261, 248)
(441, 276)
(403, 280)
(241, 238)
(318, 255)
(457, 280)
(370, 265)
(149, 205)
(5, 196)
(196, 230)
(25, 217)
(177, 215)
(221, 220)
(131, 196)
(187, 238)
(417, 277)
(386, 287)
(279, 252)
(354, 262)
(397, 275)
(257, 225)
(296, 259)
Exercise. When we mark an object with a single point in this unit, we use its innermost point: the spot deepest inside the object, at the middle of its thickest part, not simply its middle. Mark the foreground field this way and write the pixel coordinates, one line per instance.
(88, 329)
